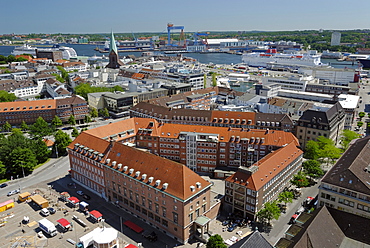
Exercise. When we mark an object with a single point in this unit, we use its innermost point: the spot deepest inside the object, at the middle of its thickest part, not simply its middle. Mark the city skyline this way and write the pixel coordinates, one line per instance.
(93, 16)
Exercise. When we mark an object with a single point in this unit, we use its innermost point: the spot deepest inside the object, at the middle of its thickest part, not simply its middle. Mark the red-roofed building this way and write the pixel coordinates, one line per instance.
(248, 189)
(164, 193)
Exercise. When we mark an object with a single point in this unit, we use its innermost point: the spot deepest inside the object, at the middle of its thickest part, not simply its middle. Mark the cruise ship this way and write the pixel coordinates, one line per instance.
(261, 59)
(67, 52)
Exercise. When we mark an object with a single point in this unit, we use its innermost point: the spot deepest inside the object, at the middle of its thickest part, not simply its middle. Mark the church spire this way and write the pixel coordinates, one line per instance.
(112, 45)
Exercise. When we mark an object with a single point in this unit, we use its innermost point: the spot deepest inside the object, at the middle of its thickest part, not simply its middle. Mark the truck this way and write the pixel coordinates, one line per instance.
(48, 227)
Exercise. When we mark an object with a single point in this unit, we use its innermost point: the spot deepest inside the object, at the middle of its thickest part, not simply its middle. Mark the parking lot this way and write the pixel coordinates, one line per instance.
(15, 232)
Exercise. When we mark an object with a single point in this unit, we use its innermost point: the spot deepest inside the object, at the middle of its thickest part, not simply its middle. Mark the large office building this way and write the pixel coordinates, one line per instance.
(201, 148)
(28, 111)
(321, 121)
(346, 185)
(159, 191)
(248, 189)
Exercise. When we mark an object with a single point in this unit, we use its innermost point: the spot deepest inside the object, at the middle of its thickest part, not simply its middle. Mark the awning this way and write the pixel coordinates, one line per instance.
(295, 216)
(63, 222)
(130, 246)
(133, 226)
(73, 200)
(96, 214)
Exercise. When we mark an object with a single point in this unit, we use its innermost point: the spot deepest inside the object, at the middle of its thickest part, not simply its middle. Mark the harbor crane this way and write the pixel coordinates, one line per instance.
(170, 27)
(196, 37)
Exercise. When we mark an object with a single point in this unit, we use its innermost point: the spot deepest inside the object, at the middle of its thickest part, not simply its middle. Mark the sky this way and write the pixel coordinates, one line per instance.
(125, 16)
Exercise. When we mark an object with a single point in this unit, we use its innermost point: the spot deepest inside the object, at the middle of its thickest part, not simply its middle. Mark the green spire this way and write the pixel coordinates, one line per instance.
(112, 45)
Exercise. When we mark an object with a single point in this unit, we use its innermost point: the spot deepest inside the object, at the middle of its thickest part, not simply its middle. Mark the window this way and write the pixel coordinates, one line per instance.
(191, 217)
(156, 208)
(197, 212)
(150, 204)
(175, 218)
(164, 211)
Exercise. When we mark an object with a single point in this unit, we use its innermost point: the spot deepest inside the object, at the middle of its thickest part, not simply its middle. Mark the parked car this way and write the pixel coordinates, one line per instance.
(45, 212)
(80, 192)
(232, 227)
(226, 222)
(3, 185)
(13, 192)
(52, 210)
(86, 197)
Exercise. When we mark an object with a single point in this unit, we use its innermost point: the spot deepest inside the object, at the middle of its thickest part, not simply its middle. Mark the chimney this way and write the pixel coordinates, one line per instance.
(165, 186)
(192, 188)
(198, 185)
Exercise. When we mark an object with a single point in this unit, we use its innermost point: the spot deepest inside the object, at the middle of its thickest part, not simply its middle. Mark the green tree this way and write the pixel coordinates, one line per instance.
(2, 170)
(216, 241)
(104, 112)
(40, 150)
(62, 140)
(22, 160)
(205, 80)
(72, 120)
(347, 137)
(87, 119)
(286, 196)
(40, 129)
(312, 150)
(300, 180)
(93, 112)
(7, 127)
(56, 122)
(361, 114)
(214, 80)
(24, 126)
(270, 211)
(313, 168)
(7, 97)
(75, 132)
(64, 73)
(360, 123)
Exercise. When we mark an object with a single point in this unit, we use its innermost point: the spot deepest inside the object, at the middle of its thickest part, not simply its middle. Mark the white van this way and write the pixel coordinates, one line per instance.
(45, 212)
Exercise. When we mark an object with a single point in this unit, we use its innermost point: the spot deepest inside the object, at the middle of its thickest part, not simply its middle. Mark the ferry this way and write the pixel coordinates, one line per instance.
(67, 52)
(271, 55)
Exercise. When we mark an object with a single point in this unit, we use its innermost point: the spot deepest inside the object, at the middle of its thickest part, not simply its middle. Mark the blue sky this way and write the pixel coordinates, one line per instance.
(93, 16)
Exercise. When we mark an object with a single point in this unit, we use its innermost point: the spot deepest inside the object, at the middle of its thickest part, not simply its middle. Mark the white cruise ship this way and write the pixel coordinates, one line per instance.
(261, 59)
(67, 52)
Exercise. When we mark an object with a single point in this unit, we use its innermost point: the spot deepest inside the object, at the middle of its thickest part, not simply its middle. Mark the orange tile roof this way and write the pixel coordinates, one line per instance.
(178, 176)
(268, 167)
(48, 142)
(27, 105)
(138, 76)
(169, 130)
(121, 126)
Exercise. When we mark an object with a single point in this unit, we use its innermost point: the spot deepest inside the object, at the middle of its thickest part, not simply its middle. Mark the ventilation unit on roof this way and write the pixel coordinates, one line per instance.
(165, 186)
(114, 163)
(143, 176)
(192, 188)
(108, 160)
(125, 168)
(198, 185)
(157, 183)
(131, 171)
(119, 166)
(150, 180)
